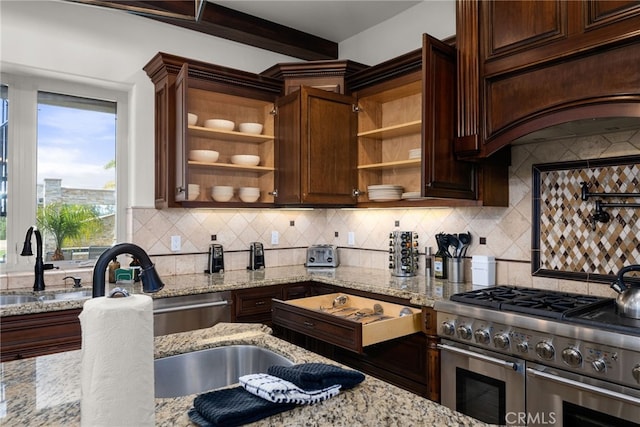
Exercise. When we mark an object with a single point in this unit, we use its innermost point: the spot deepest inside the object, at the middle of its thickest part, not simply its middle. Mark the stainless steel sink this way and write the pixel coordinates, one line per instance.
(66, 296)
(204, 370)
(53, 297)
(17, 299)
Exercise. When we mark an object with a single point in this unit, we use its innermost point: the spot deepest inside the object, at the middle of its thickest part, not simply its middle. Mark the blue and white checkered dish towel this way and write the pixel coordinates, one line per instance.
(277, 390)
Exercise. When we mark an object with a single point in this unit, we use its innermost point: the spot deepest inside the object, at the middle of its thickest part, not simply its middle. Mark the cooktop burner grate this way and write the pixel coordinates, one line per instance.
(550, 304)
(493, 297)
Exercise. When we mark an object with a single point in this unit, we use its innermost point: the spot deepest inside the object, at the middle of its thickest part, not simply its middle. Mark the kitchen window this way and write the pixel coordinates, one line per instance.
(66, 145)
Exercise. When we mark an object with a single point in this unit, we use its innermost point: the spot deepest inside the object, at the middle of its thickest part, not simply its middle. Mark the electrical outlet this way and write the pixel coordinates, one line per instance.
(336, 234)
(275, 238)
(397, 223)
(351, 238)
(483, 240)
(176, 243)
(214, 237)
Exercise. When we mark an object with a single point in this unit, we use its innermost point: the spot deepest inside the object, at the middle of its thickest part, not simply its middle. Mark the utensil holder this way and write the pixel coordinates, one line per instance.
(456, 270)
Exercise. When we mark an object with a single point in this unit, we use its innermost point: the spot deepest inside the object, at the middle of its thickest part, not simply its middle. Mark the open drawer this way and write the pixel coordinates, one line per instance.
(317, 318)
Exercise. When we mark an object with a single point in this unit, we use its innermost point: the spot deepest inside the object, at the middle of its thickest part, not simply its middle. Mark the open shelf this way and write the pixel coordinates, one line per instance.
(228, 135)
(231, 166)
(395, 164)
(394, 131)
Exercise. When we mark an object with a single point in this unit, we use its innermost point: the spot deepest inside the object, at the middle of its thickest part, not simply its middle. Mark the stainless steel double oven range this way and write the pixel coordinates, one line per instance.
(521, 356)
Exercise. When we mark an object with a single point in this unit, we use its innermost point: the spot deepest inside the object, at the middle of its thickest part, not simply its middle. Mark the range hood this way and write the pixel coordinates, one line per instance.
(581, 128)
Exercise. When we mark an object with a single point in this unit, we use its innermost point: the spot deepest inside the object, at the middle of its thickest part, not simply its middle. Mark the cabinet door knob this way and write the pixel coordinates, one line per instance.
(274, 193)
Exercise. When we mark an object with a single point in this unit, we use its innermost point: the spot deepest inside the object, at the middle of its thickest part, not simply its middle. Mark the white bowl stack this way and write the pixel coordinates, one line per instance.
(205, 156)
(245, 160)
(249, 194)
(383, 193)
(219, 124)
(193, 191)
(221, 193)
(192, 119)
(255, 128)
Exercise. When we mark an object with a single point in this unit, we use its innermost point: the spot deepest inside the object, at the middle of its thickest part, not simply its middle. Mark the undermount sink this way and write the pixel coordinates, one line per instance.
(10, 299)
(17, 299)
(66, 296)
(204, 370)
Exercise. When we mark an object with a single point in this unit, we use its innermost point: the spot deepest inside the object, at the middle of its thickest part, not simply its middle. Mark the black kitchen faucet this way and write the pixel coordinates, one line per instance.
(40, 266)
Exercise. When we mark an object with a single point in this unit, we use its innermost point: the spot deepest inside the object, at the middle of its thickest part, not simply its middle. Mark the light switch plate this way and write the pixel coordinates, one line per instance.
(176, 243)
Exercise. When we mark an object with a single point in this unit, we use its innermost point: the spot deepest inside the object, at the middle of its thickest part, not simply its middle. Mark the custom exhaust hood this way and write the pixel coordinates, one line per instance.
(581, 128)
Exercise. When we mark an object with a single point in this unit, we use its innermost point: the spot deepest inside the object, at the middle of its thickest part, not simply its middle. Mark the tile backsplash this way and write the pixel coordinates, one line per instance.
(507, 230)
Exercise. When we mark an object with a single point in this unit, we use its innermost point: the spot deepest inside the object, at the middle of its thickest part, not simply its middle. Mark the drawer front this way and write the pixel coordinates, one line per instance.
(335, 331)
(255, 301)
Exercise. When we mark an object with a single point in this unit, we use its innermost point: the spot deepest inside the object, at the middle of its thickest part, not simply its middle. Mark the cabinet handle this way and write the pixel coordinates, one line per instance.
(308, 324)
(180, 189)
(355, 108)
(274, 193)
(260, 303)
(355, 192)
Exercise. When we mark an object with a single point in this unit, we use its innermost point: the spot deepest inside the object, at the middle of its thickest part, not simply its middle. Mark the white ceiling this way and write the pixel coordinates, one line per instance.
(331, 20)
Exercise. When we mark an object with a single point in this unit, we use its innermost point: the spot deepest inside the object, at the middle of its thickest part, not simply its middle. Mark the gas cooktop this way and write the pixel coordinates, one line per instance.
(585, 309)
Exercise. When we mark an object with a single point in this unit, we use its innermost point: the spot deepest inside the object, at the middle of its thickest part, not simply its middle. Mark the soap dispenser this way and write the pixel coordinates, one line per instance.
(113, 266)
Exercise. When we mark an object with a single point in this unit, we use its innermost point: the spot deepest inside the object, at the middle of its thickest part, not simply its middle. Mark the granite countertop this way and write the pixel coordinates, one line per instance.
(45, 391)
(420, 290)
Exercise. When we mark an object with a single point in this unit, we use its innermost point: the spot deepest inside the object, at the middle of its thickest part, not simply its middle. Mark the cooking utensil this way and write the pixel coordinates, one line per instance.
(465, 240)
(406, 311)
(628, 300)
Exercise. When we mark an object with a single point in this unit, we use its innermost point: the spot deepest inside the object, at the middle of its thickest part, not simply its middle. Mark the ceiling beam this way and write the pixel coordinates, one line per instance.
(229, 24)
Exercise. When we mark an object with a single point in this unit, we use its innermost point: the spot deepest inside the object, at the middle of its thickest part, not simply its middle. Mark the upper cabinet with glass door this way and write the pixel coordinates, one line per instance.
(222, 119)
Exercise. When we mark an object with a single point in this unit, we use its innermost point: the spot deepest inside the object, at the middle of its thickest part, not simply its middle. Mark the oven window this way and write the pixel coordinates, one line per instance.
(574, 415)
(480, 397)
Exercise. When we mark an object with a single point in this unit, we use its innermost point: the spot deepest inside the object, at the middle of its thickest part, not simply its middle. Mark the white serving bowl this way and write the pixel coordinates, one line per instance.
(219, 124)
(193, 195)
(245, 160)
(192, 119)
(415, 153)
(249, 190)
(206, 156)
(222, 193)
(249, 198)
(250, 128)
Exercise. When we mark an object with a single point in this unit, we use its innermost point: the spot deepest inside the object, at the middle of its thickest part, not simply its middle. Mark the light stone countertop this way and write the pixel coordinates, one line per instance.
(420, 290)
(45, 391)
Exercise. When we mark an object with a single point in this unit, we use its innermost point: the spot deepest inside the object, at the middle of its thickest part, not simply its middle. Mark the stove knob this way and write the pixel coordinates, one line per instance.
(545, 350)
(482, 336)
(448, 328)
(464, 332)
(599, 365)
(522, 347)
(636, 373)
(572, 357)
(501, 340)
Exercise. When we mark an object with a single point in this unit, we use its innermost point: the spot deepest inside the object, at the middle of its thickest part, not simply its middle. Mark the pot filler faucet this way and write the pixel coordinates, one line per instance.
(150, 280)
(40, 266)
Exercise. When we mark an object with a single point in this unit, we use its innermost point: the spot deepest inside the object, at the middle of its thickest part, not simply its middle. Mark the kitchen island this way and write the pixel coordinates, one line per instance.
(45, 391)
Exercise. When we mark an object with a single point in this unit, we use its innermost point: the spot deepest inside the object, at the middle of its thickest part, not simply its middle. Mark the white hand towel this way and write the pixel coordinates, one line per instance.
(277, 390)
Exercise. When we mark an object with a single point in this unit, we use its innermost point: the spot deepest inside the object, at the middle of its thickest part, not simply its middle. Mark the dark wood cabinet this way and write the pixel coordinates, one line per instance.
(409, 103)
(31, 335)
(254, 305)
(315, 148)
(527, 65)
(326, 75)
(183, 85)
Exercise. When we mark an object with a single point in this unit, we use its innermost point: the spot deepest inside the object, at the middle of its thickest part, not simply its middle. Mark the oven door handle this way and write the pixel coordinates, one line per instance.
(584, 387)
(479, 356)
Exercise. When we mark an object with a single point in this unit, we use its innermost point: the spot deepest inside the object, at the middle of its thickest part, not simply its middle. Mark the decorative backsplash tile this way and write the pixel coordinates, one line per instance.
(570, 240)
